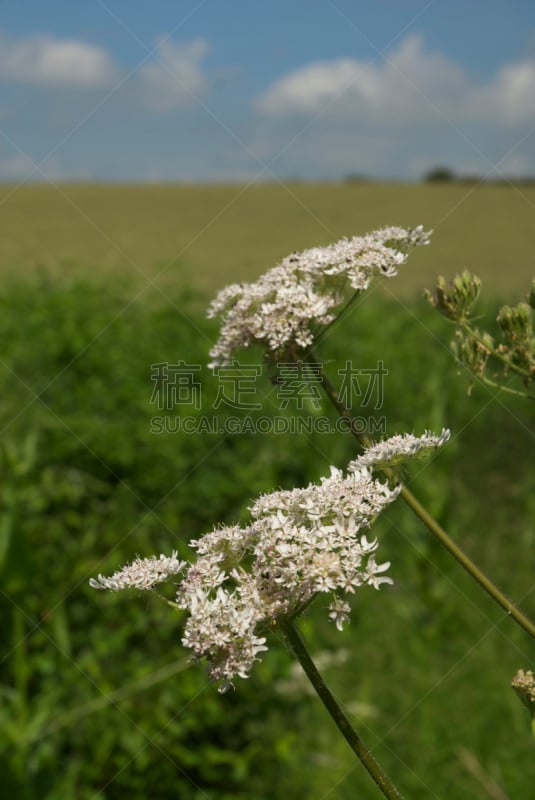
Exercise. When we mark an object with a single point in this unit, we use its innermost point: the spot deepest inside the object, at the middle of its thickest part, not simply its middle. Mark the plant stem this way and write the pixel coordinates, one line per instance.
(473, 570)
(338, 317)
(500, 386)
(300, 651)
(432, 525)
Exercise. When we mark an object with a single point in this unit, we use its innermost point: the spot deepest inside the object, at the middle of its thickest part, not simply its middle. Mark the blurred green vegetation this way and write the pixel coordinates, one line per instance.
(97, 697)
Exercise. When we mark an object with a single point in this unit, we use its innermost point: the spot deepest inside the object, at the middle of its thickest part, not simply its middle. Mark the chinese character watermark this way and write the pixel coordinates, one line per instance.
(371, 379)
(175, 384)
(236, 382)
(298, 383)
(298, 390)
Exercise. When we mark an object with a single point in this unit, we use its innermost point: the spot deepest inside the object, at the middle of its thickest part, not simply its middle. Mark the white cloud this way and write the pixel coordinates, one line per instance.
(409, 86)
(306, 89)
(172, 78)
(510, 97)
(410, 81)
(48, 62)
(175, 78)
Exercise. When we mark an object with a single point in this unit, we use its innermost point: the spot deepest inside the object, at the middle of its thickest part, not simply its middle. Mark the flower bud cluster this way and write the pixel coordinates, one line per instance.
(524, 685)
(476, 349)
(519, 345)
(283, 309)
(456, 299)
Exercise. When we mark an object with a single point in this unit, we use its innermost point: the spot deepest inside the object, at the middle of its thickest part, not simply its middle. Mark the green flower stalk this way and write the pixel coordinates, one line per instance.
(349, 733)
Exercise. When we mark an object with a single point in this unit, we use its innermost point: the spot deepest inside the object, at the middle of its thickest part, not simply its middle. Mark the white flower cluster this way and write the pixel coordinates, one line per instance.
(287, 304)
(143, 573)
(401, 447)
(300, 542)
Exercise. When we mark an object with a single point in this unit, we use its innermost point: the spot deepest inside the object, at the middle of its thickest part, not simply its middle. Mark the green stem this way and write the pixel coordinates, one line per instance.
(300, 651)
(167, 602)
(338, 317)
(432, 525)
(501, 388)
(473, 570)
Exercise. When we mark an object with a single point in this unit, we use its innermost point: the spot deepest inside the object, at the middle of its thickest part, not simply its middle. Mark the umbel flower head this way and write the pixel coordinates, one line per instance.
(401, 448)
(245, 580)
(287, 305)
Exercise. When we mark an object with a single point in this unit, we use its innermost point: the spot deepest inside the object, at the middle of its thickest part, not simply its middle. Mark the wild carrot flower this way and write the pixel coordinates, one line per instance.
(299, 543)
(399, 448)
(285, 307)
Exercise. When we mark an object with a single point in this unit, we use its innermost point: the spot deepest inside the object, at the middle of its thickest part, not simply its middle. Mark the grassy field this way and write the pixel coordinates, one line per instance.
(219, 234)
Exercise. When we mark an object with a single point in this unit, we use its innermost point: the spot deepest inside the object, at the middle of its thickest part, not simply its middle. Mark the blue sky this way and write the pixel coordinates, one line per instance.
(214, 90)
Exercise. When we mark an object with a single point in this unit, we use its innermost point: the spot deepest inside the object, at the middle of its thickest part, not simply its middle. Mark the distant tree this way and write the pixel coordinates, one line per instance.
(439, 174)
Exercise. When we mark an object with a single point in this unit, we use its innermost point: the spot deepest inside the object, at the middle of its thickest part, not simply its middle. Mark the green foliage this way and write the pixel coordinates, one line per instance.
(97, 698)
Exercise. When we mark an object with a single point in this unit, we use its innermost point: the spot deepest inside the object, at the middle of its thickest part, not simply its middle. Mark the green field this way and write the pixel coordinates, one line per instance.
(221, 234)
(98, 700)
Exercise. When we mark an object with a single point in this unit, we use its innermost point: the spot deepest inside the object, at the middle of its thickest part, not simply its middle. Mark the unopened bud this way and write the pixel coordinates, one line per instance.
(516, 323)
(456, 299)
